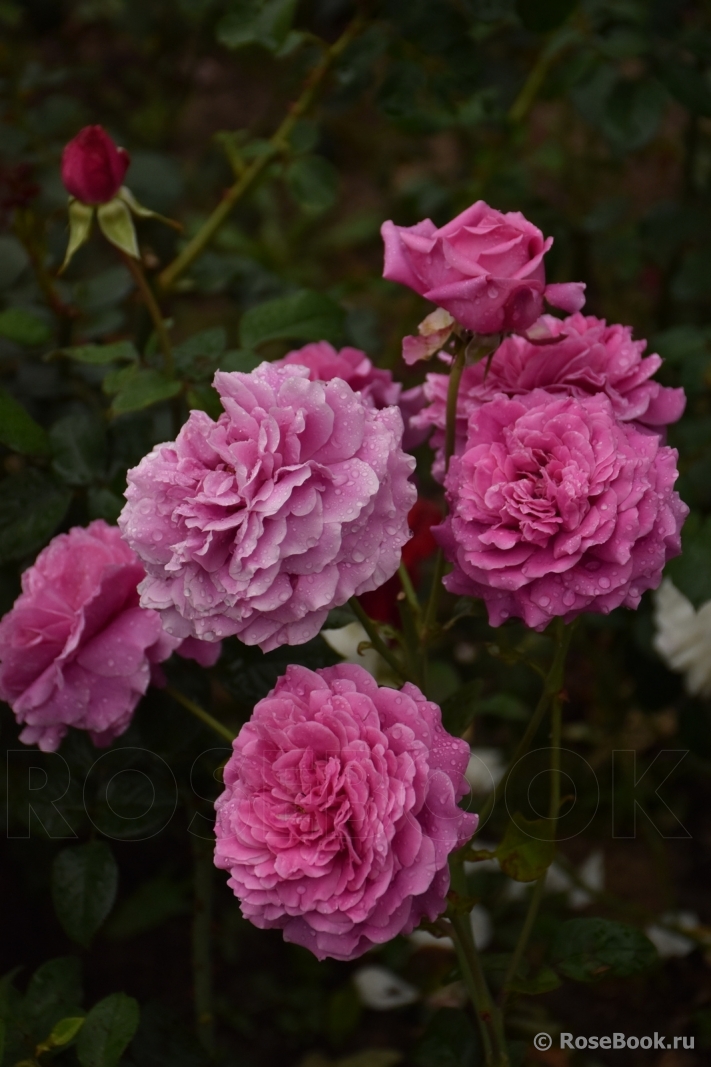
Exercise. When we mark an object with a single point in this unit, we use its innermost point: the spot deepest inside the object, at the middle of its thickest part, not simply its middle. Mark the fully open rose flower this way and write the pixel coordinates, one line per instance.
(257, 524)
(590, 358)
(76, 649)
(376, 386)
(93, 167)
(340, 810)
(558, 508)
(484, 267)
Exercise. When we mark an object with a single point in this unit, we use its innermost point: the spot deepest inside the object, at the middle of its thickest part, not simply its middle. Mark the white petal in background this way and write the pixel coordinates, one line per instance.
(485, 770)
(683, 637)
(670, 943)
(382, 990)
(345, 641)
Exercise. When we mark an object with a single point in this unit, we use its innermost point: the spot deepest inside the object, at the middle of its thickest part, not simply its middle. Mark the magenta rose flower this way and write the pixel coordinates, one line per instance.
(258, 524)
(484, 267)
(76, 649)
(590, 358)
(556, 507)
(93, 167)
(340, 810)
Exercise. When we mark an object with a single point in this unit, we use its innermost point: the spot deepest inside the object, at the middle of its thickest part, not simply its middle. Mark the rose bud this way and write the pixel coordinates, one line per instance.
(93, 167)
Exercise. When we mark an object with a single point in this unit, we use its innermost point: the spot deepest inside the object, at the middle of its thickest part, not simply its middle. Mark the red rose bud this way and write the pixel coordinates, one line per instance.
(93, 167)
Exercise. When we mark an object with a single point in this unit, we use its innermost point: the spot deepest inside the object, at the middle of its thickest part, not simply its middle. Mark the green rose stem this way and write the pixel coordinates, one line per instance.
(275, 146)
(551, 688)
(376, 640)
(200, 713)
(563, 637)
(151, 304)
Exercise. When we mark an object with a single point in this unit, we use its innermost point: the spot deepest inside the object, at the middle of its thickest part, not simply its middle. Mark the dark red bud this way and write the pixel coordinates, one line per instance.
(93, 167)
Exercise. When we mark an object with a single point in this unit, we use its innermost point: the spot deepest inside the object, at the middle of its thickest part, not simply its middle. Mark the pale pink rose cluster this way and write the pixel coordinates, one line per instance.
(258, 524)
(77, 649)
(340, 810)
(589, 357)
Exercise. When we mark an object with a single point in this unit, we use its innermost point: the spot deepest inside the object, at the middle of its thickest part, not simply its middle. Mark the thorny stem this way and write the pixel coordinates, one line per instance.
(201, 938)
(201, 714)
(153, 310)
(375, 638)
(275, 146)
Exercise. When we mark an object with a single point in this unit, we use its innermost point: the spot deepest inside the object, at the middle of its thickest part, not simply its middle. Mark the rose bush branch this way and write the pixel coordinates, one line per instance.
(277, 144)
(204, 716)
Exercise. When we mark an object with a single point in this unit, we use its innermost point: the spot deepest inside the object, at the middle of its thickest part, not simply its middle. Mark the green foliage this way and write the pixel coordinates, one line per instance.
(23, 327)
(84, 884)
(134, 389)
(18, 430)
(107, 1030)
(32, 505)
(264, 22)
(587, 950)
(305, 316)
(313, 182)
(527, 849)
(79, 448)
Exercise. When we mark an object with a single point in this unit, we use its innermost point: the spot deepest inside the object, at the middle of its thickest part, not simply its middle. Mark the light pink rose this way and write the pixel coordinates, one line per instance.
(76, 649)
(591, 357)
(558, 508)
(340, 810)
(258, 524)
(484, 267)
(376, 386)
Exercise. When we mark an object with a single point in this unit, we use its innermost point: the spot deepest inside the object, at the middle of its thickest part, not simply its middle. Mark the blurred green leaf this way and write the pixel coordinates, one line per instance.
(32, 504)
(540, 16)
(137, 389)
(688, 84)
(18, 430)
(265, 22)
(62, 1033)
(13, 260)
(587, 950)
(84, 883)
(24, 328)
(103, 290)
(240, 359)
(198, 357)
(527, 849)
(691, 571)
(118, 352)
(107, 1031)
(154, 902)
(54, 992)
(79, 447)
(305, 316)
(313, 182)
(450, 1040)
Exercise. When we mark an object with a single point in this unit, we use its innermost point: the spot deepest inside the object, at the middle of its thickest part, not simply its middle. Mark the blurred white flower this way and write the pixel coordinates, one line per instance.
(485, 770)
(382, 990)
(482, 928)
(670, 943)
(592, 874)
(683, 637)
(345, 641)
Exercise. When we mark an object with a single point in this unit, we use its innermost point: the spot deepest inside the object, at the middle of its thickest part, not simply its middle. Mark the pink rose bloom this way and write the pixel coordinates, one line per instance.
(558, 508)
(484, 267)
(76, 649)
(93, 167)
(258, 524)
(592, 357)
(340, 810)
(376, 386)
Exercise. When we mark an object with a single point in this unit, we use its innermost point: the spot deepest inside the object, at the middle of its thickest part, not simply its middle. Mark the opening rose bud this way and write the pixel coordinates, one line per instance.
(93, 167)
